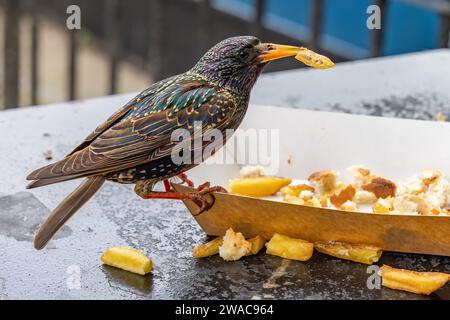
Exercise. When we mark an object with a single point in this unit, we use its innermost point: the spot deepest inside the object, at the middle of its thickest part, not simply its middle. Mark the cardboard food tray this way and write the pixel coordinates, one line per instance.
(394, 148)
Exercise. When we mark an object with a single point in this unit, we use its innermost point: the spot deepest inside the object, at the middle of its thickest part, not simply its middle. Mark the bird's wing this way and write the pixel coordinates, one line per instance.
(122, 112)
(146, 133)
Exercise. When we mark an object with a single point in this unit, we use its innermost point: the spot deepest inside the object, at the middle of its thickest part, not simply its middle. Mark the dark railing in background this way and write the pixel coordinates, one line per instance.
(143, 29)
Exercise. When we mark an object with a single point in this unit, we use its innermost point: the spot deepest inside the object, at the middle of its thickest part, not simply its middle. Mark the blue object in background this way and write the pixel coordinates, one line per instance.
(410, 28)
(288, 17)
(407, 28)
(344, 29)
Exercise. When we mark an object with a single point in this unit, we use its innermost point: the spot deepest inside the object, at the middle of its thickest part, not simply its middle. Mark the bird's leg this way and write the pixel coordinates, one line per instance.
(144, 190)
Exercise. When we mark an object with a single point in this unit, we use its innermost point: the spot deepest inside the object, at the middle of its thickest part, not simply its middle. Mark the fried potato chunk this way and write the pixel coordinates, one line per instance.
(383, 206)
(342, 196)
(295, 190)
(381, 187)
(355, 252)
(259, 186)
(412, 281)
(207, 249)
(258, 243)
(325, 180)
(289, 248)
(312, 59)
(234, 246)
(128, 259)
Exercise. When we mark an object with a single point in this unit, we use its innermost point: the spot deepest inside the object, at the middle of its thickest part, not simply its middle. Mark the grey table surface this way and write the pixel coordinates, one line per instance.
(410, 86)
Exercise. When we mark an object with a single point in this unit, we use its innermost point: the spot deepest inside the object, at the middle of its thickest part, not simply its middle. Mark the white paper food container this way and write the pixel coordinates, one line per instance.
(394, 148)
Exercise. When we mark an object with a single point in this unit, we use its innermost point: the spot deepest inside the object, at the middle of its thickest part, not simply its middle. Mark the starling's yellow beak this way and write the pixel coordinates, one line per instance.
(271, 51)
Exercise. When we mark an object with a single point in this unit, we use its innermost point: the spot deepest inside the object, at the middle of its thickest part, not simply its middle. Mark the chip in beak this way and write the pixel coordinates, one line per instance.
(271, 51)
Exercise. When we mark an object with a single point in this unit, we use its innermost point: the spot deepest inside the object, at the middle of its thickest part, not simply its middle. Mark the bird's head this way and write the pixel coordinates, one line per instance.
(237, 62)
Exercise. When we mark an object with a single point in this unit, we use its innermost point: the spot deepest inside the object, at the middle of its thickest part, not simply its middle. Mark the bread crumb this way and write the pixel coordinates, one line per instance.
(349, 206)
(325, 180)
(438, 193)
(364, 197)
(361, 175)
(413, 185)
(234, 246)
(293, 199)
(345, 194)
(430, 176)
(251, 172)
(381, 187)
(290, 159)
(404, 205)
(294, 190)
(306, 195)
(313, 202)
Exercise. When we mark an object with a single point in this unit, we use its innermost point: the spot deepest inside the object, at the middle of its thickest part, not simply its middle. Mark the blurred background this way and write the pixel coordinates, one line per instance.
(125, 45)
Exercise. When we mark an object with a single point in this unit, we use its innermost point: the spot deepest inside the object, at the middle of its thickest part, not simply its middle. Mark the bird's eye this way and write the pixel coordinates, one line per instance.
(243, 54)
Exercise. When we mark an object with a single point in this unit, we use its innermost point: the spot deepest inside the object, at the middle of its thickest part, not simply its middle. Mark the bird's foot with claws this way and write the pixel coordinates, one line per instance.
(201, 197)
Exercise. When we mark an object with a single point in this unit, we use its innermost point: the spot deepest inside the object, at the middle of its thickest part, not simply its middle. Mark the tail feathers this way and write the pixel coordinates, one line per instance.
(44, 182)
(66, 209)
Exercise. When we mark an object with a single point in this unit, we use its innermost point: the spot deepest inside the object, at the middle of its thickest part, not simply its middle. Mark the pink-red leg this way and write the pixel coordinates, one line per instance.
(185, 179)
(167, 185)
(198, 197)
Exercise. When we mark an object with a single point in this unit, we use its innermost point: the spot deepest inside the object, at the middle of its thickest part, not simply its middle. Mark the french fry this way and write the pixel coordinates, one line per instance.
(295, 190)
(355, 252)
(259, 186)
(128, 259)
(412, 281)
(289, 248)
(383, 206)
(207, 249)
(257, 244)
(312, 59)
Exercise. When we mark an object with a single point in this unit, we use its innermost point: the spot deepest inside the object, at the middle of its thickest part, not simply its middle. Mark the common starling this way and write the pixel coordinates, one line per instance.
(134, 145)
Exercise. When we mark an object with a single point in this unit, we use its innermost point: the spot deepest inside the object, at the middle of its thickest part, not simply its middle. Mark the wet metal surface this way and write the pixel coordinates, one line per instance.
(69, 268)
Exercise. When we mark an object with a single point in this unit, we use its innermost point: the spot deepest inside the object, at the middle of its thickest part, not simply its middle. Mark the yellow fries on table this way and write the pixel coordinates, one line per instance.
(257, 244)
(413, 281)
(207, 249)
(355, 252)
(212, 247)
(259, 186)
(289, 248)
(128, 259)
